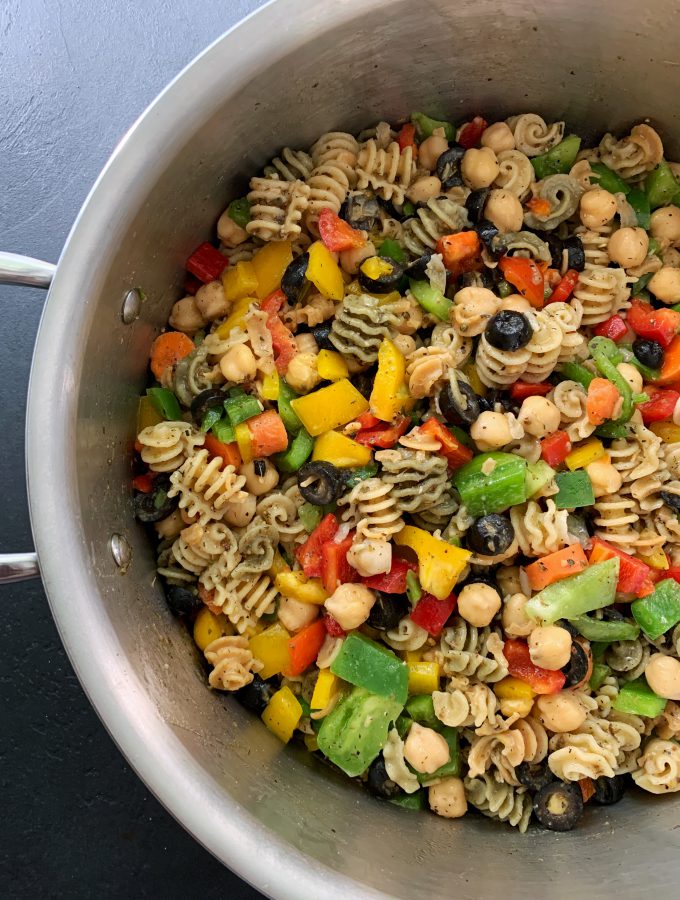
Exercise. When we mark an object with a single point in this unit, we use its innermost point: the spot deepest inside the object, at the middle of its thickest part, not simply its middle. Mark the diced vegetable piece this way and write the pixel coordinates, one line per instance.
(372, 666)
(661, 186)
(355, 732)
(415, 801)
(206, 263)
(337, 234)
(382, 435)
(591, 589)
(236, 318)
(641, 207)
(425, 126)
(304, 648)
(297, 453)
(453, 766)
(324, 272)
(207, 627)
(271, 385)
(614, 328)
(393, 250)
(634, 575)
(659, 611)
(267, 433)
(660, 407)
(538, 475)
(555, 448)
(227, 452)
(601, 401)
(239, 281)
(283, 341)
(269, 263)
(607, 179)
(526, 276)
(335, 570)
(602, 630)
(461, 252)
(331, 365)
(576, 372)
(388, 396)
(491, 483)
(271, 648)
(440, 563)
(660, 325)
(455, 453)
(420, 706)
(406, 136)
(242, 407)
(423, 677)
(310, 516)
(168, 349)
(224, 432)
(361, 473)
(394, 581)
(296, 586)
(559, 159)
(147, 414)
(326, 686)
(330, 407)
(584, 454)
(413, 588)
(520, 390)
(512, 688)
(670, 370)
(556, 566)
(342, 451)
(290, 420)
(144, 483)
(431, 299)
(575, 490)
(638, 699)
(432, 614)
(470, 134)
(283, 714)
(541, 681)
(667, 431)
(309, 554)
(598, 676)
(165, 403)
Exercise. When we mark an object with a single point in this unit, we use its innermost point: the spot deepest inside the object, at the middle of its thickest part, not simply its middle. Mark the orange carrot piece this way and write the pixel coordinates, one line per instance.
(556, 566)
(670, 370)
(587, 788)
(168, 349)
(267, 433)
(601, 401)
(228, 452)
(539, 207)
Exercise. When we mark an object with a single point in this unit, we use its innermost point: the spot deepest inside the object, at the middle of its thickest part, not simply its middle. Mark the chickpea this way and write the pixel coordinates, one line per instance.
(169, 527)
(539, 416)
(632, 376)
(186, 316)
(628, 247)
(447, 798)
(560, 712)
(478, 603)
(504, 210)
(515, 621)
(605, 478)
(424, 189)
(295, 615)
(663, 676)
(306, 343)
(351, 259)
(425, 749)
(665, 224)
(479, 168)
(370, 557)
(350, 605)
(431, 149)
(211, 302)
(490, 431)
(550, 647)
(238, 364)
(229, 232)
(665, 285)
(240, 513)
(259, 484)
(404, 343)
(597, 207)
(301, 373)
(498, 137)
(508, 580)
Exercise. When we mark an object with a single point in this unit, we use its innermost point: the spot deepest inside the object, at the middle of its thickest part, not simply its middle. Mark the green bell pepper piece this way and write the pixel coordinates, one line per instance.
(290, 420)
(600, 672)
(452, 767)
(224, 432)
(461, 436)
(239, 211)
(393, 250)
(574, 372)
(417, 800)
(355, 732)
(298, 452)
(501, 488)
(241, 408)
(559, 159)
(590, 589)
(575, 489)
(538, 475)
(504, 289)
(210, 419)
(606, 355)
(425, 126)
(602, 630)
(421, 709)
(369, 665)
(360, 473)
(654, 247)
(310, 516)
(408, 209)
(638, 698)
(659, 611)
(413, 589)
(611, 431)
(431, 299)
(661, 186)
(641, 207)
(403, 725)
(608, 179)
(165, 403)
(598, 649)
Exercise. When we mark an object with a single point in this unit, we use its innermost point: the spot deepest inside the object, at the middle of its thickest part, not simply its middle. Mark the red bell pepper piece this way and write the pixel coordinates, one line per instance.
(565, 288)
(659, 325)
(383, 435)
(336, 234)
(432, 614)
(542, 681)
(659, 407)
(555, 448)
(283, 341)
(455, 453)
(394, 581)
(520, 390)
(144, 483)
(207, 263)
(526, 276)
(335, 570)
(332, 626)
(192, 285)
(407, 136)
(309, 554)
(461, 252)
(614, 329)
(368, 420)
(635, 576)
(471, 133)
(304, 648)
(672, 572)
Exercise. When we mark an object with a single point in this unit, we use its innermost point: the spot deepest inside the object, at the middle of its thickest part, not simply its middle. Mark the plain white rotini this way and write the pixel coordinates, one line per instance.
(500, 368)
(595, 242)
(407, 636)
(340, 149)
(328, 186)
(395, 764)
(539, 531)
(615, 519)
(243, 600)
(276, 208)
(602, 292)
(198, 546)
(532, 135)
(166, 445)
(204, 488)
(233, 663)
(544, 347)
(499, 801)
(516, 173)
(372, 510)
(570, 399)
(568, 316)
(280, 509)
(658, 769)
(632, 156)
(388, 172)
(290, 165)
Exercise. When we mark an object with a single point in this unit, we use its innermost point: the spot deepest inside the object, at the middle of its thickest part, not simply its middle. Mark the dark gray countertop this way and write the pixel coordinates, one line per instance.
(76, 821)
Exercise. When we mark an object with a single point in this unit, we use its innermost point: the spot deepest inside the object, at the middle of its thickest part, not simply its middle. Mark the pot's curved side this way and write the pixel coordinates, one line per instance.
(287, 73)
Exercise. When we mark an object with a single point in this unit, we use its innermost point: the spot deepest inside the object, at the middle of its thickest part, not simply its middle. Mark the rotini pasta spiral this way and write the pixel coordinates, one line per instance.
(658, 769)
(204, 488)
(602, 293)
(233, 663)
(563, 195)
(291, 165)
(540, 532)
(387, 171)
(438, 217)
(360, 326)
(499, 801)
(339, 149)
(373, 510)
(418, 479)
(167, 445)
(498, 368)
(242, 600)
(544, 347)
(198, 546)
(533, 136)
(407, 636)
(257, 546)
(276, 208)
(634, 155)
(466, 650)
(516, 173)
(595, 242)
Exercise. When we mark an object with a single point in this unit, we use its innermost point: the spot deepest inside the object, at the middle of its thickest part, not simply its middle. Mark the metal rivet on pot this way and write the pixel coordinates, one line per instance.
(132, 306)
(121, 551)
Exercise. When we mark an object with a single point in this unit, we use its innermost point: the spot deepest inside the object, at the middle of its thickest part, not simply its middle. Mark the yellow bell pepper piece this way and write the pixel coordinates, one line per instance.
(439, 563)
(324, 272)
(342, 451)
(423, 677)
(331, 366)
(239, 281)
(513, 689)
(330, 407)
(244, 441)
(236, 317)
(413, 656)
(326, 685)
(657, 560)
(282, 714)
(271, 384)
(269, 264)
(470, 370)
(147, 414)
(387, 396)
(271, 648)
(311, 743)
(667, 431)
(296, 586)
(585, 454)
(208, 627)
(279, 565)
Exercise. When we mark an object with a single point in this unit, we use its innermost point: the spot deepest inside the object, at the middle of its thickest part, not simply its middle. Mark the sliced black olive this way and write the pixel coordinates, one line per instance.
(361, 210)
(379, 782)
(462, 410)
(388, 610)
(416, 270)
(556, 246)
(609, 790)
(495, 397)
(255, 695)
(572, 629)
(487, 277)
(672, 500)
(579, 664)
(612, 614)
(391, 209)
(475, 204)
(156, 505)
(260, 468)
(508, 330)
(486, 232)
(386, 277)
(490, 535)
(321, 336)
(364, 381)
(202, 403)
(558, 806)
(649, 353)
(534, 775)
(320, 482)
(482, 577)
(181, 599)
(576, 257)
(448, 166)
(294, 284)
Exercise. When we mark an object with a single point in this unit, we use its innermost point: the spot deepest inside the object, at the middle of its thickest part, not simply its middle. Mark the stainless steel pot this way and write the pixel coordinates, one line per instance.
(284, 75)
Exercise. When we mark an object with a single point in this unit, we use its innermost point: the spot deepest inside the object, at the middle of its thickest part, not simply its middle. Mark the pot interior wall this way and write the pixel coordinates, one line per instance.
(342, 65)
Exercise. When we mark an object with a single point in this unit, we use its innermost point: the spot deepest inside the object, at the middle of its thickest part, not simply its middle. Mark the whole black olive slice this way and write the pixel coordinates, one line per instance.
(380, 274)
(576, 257)
(508, 330)
(256, 695)
(487, 231)
(490, 535)
(609, 790)
(672, 500)
(293, 283)
(534, 776)
(476, 202)
(202, 403)
(361, 210)
(558, 806)
(461, 407)
(388, 610)
(416, 270)
(320, 482)
(156, 505)
(448, 166)
(321, 335)
(649, 353)
(181, 599)
(580, 663)
(379, 782)
(556, 247)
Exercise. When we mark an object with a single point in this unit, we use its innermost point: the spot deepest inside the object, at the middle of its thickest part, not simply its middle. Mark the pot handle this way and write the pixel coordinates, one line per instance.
(24, 270)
